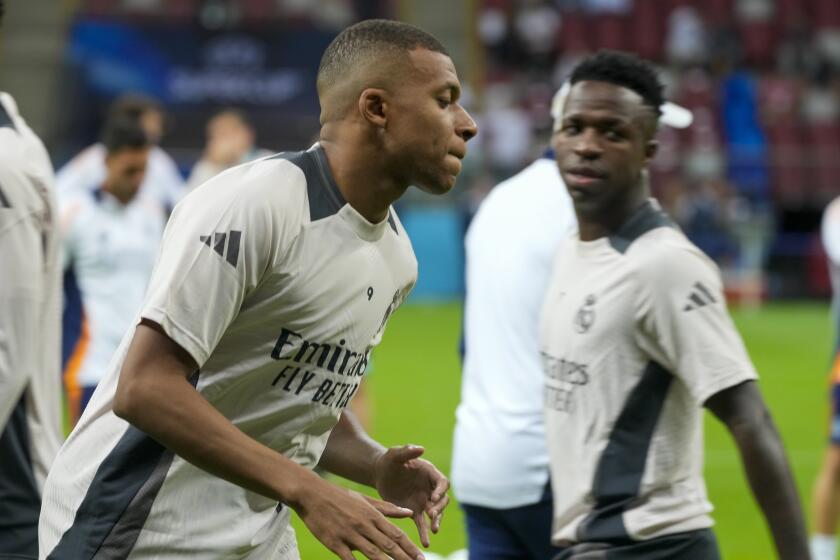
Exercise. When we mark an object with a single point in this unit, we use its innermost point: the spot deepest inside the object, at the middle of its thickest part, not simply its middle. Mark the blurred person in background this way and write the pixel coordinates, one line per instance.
(500, 471)
(826, 496)
(30, 318)
(162, 182)
(110, 237)
(231, 140)
(636, 340)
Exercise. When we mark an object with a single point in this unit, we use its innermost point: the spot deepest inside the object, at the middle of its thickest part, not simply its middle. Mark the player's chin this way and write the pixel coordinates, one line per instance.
(440, 185)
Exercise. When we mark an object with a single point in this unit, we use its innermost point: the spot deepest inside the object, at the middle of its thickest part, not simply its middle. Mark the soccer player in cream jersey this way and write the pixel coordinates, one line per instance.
(30, 330)
(275, 280)
(636, 340)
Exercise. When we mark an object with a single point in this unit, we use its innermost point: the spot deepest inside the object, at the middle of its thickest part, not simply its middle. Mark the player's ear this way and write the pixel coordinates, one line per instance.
(373, 106)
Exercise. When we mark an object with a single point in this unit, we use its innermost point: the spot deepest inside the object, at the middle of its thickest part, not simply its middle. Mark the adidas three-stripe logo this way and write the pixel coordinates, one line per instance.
(229, 251)
(700, 296)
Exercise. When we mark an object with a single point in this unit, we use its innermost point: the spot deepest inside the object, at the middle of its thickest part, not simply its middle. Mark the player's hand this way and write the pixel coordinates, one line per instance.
(345, 521)
(404, 479)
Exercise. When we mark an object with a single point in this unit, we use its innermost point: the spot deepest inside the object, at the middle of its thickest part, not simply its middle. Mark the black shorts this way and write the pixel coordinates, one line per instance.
(694, 545)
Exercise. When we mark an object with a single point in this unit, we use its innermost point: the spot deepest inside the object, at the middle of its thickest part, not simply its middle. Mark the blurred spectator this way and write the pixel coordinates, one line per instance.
(686, 37)
(506, 132)
(110, 238)
(163, 182)
(536, 25)
(607, 6)
(230, 141)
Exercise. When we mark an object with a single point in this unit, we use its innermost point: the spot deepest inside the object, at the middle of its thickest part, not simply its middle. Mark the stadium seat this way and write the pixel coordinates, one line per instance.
(717, 12)
(574, 33)
(759, 40)
(826, 13)
(789, 167)
(823, 140)
(254, 11)
(645, 30)
(611, 32)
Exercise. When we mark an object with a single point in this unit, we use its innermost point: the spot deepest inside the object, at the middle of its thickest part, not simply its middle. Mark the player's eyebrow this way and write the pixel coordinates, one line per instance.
(453, 88)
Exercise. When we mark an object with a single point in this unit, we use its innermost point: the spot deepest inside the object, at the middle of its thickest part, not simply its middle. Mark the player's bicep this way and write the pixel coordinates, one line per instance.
(687, 324)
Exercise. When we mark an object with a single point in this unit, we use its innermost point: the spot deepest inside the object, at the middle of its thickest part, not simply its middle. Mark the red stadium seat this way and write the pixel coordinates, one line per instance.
(759, 40)
(610, 32)
(717, 12)
(574, 33)
(789, 167)
(646, 30)
(826, 13)
(823, 141)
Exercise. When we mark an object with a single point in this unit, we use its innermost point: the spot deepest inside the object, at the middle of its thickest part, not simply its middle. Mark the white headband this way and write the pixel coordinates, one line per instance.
(673, 115)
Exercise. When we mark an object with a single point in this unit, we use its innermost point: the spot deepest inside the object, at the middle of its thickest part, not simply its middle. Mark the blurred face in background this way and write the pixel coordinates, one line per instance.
(152, 123)
(125, 170)
(229, 139)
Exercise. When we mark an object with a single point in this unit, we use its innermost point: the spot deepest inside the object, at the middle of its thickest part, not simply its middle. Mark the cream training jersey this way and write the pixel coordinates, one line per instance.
(635, 338)
(30, 328)
(279, 290)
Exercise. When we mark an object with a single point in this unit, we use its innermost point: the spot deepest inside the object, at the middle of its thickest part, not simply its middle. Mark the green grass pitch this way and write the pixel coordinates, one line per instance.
(416, 385)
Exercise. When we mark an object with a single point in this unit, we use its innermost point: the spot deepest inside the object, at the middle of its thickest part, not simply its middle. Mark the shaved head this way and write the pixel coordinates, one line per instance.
(370, 54)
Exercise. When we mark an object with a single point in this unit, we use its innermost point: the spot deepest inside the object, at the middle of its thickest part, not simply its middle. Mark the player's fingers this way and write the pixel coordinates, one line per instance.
(406, 453)
(422, 528)
(342, 551)
(393, 542)
(436, 521)
(441, 485)
(388, 509)
(435, 509)
(371, 549)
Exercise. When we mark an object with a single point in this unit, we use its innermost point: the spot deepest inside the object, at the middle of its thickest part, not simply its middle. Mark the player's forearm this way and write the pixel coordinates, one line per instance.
(155, 396)
(350, 452)
(187, 424)
(773, 485)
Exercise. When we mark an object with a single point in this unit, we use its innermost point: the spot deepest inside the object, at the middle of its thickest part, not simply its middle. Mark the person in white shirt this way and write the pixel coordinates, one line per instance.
(110, 238)
(30, 327)
(826, 496)
(231, 140)
(275, 281)
(162, 183)
(499, 458)
(636, 340)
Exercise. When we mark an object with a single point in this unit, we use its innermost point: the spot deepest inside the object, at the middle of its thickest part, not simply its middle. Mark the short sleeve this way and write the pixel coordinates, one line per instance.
(830, 231)
(685, 323)
(215, 249)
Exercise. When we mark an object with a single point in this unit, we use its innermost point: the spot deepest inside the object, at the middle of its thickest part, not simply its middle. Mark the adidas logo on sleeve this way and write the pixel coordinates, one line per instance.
(217, 241)
(700, 296)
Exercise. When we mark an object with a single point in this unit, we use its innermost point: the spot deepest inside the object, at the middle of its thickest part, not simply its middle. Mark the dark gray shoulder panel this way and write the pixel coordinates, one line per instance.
(324, 197)
(20, 501)
(6, 119)
(646, 218)
(622, 464)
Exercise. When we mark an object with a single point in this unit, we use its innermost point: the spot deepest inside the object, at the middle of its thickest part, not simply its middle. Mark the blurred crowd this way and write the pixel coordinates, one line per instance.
(762, 77)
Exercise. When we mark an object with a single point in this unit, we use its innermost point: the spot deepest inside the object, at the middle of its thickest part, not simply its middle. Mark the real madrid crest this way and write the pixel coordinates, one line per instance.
(585, 317)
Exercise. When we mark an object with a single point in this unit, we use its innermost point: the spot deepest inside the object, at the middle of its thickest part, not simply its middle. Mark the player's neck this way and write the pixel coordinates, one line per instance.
(361, 179)
(595, 225)
(122, 197)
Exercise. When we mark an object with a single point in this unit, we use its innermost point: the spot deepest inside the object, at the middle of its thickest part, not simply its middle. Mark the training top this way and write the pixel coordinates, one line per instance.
(279, 290)
(499, 458)
(86, 172)
(112, 248)
(30, 327)
(635, 338)
(830, 231)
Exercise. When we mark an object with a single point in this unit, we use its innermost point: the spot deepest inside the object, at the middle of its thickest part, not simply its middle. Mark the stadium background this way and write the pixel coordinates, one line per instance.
(748, 181)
